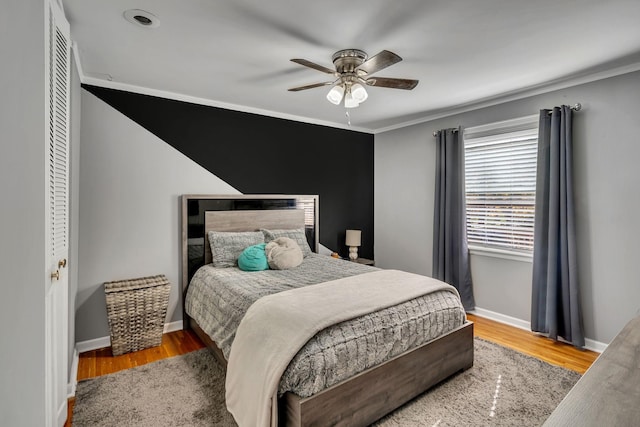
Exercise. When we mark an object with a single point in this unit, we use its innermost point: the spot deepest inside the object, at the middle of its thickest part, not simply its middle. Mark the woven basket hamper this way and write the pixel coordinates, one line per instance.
(136, 309)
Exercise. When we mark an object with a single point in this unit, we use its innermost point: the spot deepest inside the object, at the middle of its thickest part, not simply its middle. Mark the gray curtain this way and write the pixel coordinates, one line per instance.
(555, 302)
(450, 249)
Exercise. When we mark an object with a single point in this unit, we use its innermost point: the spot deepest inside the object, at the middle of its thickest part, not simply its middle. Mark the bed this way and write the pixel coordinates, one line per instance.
(358, 394)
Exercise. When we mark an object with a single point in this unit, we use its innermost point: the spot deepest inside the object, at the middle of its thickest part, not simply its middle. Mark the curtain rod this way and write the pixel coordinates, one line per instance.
(435, 132)
(576, 107)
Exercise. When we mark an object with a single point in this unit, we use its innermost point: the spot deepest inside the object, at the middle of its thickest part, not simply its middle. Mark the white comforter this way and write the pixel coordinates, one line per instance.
(276, 326)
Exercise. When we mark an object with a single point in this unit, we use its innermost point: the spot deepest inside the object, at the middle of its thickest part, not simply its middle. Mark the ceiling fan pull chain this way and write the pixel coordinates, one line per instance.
(346, 113)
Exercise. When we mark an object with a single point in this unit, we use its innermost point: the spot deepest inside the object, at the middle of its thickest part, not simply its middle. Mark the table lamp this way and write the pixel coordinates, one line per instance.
(353, 241)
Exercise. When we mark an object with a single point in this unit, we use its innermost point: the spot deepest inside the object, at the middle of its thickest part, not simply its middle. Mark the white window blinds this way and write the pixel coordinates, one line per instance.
(500, 173)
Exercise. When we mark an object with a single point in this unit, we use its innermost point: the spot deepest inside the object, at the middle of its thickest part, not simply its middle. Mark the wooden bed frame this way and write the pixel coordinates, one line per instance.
(369, 395)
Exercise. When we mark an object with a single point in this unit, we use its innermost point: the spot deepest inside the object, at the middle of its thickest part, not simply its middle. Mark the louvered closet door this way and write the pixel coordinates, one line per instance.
(57, 182)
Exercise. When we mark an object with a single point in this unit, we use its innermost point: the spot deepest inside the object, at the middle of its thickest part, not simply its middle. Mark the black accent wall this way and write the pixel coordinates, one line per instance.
(266, 155)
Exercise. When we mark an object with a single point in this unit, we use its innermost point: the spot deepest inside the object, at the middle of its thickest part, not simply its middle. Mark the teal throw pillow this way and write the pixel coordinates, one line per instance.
(253, 258)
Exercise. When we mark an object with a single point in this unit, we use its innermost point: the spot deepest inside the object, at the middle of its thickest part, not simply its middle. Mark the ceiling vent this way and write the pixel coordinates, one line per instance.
(141, 18)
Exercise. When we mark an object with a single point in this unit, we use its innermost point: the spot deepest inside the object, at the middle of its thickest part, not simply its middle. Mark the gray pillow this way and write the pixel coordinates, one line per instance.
(296, 234)
(283, 253)
(226, 246)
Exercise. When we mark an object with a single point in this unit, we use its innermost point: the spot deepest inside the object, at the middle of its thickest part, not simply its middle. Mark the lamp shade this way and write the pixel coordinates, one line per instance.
(353, 237)
(350, 101)
(335, 94)
(359, 93)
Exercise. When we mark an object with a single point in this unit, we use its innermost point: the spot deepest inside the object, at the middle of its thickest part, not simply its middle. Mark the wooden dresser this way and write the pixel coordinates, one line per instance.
(608, 394)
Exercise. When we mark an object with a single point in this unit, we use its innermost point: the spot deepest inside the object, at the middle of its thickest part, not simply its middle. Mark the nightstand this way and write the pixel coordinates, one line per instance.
(365, 261)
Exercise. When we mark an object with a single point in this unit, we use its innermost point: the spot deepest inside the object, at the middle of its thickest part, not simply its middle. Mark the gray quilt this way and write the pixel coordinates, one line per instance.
(217, 299)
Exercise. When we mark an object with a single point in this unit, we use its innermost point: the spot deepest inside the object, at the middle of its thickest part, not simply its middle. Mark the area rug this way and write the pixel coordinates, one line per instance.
(503, 388)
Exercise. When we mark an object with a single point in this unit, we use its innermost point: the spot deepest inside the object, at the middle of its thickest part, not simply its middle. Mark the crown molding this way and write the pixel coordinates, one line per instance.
(142, 90)
(109, 84)
(471, 106)
(516, 95)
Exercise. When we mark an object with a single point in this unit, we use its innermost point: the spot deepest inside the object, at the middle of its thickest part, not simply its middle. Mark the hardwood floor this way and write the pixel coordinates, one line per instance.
(527, 342)
(100, 362)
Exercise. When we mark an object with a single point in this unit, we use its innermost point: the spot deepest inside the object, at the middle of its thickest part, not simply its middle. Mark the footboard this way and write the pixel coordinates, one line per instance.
(370, 395)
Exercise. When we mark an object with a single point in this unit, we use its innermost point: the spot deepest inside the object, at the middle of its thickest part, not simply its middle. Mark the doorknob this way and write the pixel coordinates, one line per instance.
(55, 275)
(62, 263)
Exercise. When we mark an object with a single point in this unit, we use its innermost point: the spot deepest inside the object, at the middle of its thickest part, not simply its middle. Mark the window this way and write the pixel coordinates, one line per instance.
(500, 174)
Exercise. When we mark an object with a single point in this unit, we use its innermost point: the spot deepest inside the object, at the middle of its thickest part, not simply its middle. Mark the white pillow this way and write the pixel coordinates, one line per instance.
(283, 253)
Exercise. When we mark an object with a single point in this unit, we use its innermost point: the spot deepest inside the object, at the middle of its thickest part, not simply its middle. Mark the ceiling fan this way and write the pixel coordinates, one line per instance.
(353, 69)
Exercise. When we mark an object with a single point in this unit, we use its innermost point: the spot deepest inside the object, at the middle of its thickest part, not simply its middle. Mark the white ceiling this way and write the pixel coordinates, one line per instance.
(235, 53)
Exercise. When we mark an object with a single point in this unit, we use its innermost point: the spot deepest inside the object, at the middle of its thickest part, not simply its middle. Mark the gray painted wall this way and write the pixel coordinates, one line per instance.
(129, 225)
(22, 185)
(607, 179)
(403, 199)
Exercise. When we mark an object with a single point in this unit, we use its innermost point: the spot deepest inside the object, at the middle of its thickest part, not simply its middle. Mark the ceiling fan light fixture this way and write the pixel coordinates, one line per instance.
(359, 93)
(335, 94)
(350, 101)
(353, 70)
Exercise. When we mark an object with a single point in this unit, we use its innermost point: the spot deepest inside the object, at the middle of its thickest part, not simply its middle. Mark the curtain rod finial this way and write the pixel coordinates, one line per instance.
(577, 107)
(435, 132)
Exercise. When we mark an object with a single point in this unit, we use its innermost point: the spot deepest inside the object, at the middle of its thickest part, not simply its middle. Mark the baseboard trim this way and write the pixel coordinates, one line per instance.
(73, 377)
(594, 345)
(502, 318)
(589, 344)
(93, 344)
(102, 342)
(173, 326)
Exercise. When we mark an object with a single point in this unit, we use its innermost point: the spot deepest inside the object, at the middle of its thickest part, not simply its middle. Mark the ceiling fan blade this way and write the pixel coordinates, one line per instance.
(379, 61)
(406, 84)
(311, 86)
(314, 66)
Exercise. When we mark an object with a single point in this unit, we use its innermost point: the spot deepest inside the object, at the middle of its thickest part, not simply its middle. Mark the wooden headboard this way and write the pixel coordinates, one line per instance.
(230, 212)
(277, 219)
